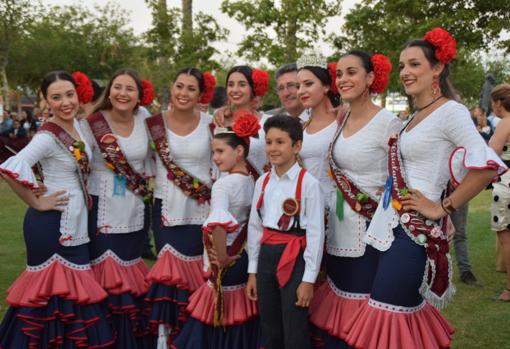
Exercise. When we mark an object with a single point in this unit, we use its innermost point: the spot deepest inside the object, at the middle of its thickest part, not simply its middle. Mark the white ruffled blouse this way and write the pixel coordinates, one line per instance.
(60, 173)
(231, 199)
(120, 211)
(192, 153)
(363, 158)
(314, 154)
(427, 152)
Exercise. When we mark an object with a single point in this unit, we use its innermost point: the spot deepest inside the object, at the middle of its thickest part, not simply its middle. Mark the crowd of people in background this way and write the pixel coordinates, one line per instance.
(318, 225)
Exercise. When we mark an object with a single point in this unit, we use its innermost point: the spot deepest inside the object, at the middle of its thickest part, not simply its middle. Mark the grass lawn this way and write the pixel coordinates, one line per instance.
(479, 321)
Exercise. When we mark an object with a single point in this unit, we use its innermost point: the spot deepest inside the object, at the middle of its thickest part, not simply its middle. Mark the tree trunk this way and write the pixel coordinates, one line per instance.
(5, 88)
(187, 17)
(162, 21)
(290, 39)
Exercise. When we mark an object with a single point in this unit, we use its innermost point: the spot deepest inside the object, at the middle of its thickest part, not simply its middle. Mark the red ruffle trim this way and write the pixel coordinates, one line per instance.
(15, 176)
(373, 328)
(34, 288)
(229, 226)
(238, 308)
(489, 165)
(331, 312)
(117, 279)
(172, 271)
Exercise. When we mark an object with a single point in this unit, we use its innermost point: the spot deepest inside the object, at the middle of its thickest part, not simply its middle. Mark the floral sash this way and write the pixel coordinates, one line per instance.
(75, 149)
(115, 158)
(189, 185)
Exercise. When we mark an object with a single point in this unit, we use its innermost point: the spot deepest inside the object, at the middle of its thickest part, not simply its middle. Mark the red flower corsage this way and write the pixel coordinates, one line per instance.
(83, 87)
(445, 44)
(382, 68)
(209, 84)
(147, 94)
(260, 82)
(245, 124)
(332, 75)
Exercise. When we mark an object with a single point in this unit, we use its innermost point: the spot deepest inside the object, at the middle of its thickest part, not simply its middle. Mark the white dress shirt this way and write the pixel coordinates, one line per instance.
(311, 216)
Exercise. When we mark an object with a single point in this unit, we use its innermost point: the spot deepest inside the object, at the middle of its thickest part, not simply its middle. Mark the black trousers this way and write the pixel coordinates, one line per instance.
(284, 325)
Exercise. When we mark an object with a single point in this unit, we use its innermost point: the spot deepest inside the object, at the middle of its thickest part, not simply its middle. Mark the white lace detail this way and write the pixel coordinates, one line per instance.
(229, 288)
(168, 248)
(348, 295)
(117, 259)
(395, 308)
(61, 260)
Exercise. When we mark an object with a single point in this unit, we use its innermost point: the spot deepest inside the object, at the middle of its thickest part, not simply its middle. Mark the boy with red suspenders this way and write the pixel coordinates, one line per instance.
(285, 239)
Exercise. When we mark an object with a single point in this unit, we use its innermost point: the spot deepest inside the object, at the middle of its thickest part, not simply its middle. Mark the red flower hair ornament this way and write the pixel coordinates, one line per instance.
(83, 87)
(444, 43)
(209, 84)
(245, 125)
(260, 82)
(147, 94)
(332, 75)
(382, 69)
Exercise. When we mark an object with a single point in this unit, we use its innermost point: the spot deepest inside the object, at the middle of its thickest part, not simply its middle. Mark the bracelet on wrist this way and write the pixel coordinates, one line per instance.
(447, 205)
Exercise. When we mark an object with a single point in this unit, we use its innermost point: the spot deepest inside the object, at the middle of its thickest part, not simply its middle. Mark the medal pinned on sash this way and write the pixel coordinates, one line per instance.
(290, 208)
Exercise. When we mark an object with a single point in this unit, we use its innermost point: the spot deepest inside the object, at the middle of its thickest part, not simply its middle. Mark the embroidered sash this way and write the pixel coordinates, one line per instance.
(73, 148)
(217, 273)
(359, 201)
(189, 185)
(115, 158)
(437, 285)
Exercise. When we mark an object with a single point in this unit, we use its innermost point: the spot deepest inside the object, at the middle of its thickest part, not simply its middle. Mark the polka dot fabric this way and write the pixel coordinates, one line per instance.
(500, 210)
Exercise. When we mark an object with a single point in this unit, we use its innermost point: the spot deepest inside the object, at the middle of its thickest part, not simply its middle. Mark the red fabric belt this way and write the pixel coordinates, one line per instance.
(290, 253)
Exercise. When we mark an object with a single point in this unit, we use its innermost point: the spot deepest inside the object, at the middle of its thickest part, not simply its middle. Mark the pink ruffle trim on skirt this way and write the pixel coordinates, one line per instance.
(380, 325)
(332, 309)
(238, 309)
(175, 269)
(118, 277)
(34, 288)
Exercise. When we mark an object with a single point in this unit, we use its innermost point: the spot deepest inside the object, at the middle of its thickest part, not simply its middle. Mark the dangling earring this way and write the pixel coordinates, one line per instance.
(435, 88)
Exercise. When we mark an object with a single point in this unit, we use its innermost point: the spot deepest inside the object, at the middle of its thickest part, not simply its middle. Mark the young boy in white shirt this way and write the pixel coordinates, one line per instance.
(285, 239)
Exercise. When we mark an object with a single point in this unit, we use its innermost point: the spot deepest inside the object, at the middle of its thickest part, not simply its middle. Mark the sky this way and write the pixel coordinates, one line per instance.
(140, 18)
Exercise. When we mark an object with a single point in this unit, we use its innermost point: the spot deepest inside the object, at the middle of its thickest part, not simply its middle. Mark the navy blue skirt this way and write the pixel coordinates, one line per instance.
(177, 273)
(56, 301)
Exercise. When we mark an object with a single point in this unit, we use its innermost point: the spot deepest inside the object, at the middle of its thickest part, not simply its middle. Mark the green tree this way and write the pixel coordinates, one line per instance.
(96, 42)
(386, 25)
(14, 17)
(296, 24)
(179, 39)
